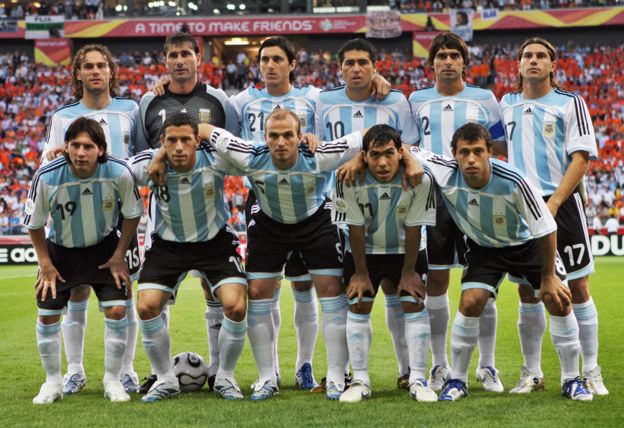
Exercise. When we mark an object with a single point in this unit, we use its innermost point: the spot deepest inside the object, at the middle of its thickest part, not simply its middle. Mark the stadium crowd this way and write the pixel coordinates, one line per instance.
(30, 93)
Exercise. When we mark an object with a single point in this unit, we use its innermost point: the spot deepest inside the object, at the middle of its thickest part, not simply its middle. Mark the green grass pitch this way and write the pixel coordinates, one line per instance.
(21, 373)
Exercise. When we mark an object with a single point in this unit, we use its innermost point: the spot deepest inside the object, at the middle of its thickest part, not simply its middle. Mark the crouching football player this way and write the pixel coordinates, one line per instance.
(189, 220)
(385, 243)
(80, 191)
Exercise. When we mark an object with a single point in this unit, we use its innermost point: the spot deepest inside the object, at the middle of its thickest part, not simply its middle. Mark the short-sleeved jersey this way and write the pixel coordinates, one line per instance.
(543, 133)
(507, 211)
(385, 209)
(190, 206)
(83, 211)
(291, 195)
(205, 104)
(337, 115)
(118, 120)
(254, 105)
(438, 117)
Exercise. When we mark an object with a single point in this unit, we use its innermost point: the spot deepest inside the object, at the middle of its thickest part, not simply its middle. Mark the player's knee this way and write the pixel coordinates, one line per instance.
(579, 289)
(49, 319)
(237, 310)
(147, 310)
(115, 312)
(527, 294)
(363, 309)
(473, 301)
(302, 285)
(437, 282)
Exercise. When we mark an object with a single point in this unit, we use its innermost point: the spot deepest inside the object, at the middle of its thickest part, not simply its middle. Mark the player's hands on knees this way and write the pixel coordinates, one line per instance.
(359, 284)
(159, 89)
(412, 284)
(351, 171)
(381, 87)
(54, 153)
(555, 294)
(119, 269)
(46, 282)
(310, 140)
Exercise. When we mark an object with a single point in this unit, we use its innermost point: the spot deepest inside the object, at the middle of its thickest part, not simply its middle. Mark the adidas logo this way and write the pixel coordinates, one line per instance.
(185, 180)
(528, 111)
(358, 115)
(283, 182)
(87, 192)
(183, 111)
(473, 202)
(447, 108)
(102, 121)
(278, 107)
(384, 197)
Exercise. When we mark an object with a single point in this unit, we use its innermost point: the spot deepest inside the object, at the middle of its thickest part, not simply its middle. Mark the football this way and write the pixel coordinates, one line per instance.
(191, 371)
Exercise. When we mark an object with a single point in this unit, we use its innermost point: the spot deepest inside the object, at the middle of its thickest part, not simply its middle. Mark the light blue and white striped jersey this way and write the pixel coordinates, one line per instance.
(253, 105)
(118, 120)
(337, 115)
(543, 133)
(83, 211)
(438, 117)
(291, 195)
(190, 207)
(507, 211)
(385, 209)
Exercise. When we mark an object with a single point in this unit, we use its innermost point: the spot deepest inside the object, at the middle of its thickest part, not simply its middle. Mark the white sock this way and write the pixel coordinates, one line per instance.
(564, 333)
(166, 316)
(277, 324)
(464, 336)
(157, 346)
(396, 325)
(73, 326)
(587, 318)
(306, 324)
(49, 344)
(231, 341)
(261, 336)
(417, 335)
(487, 334)
(214, 323)
(335, 337)
(439, 314)
(359, 334)
(127, 364)
(115, 338)
(531, 329)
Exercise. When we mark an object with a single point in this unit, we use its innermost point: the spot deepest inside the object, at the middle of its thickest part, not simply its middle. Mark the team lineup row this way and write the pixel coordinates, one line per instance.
(547, 132)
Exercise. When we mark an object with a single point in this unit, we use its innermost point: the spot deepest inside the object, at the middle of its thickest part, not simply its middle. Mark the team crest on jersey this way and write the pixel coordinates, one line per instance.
(340, 205)
(549, 129)
(304, 123)
(108, 204)
(401, 211)
(310, 188)
(499, 220)
(126, 138)
(205, 115)
(209, 191)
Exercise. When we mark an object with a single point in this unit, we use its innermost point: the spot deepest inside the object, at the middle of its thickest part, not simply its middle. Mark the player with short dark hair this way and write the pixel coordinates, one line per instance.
(190, 232)
(438, 112)
(84, 192)
(94, 85)
(551, 140)
(185, 93)
(384, 243)
(509, 230)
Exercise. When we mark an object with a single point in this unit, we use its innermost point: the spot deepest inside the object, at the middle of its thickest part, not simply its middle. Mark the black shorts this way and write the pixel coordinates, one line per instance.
(167, 263)
(79, 266)
(270, 244)
(486, 267)
(295, 269)
(384, 266)
(573, 239)
(445, 242)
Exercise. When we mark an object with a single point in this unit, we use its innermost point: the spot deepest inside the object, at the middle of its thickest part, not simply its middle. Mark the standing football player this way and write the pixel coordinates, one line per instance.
(438, 112)
(551, 140)
(84, 192)
(94, 85)
(186, 94)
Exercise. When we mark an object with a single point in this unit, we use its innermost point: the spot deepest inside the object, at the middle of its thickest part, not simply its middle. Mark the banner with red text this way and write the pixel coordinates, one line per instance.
(53, 52)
